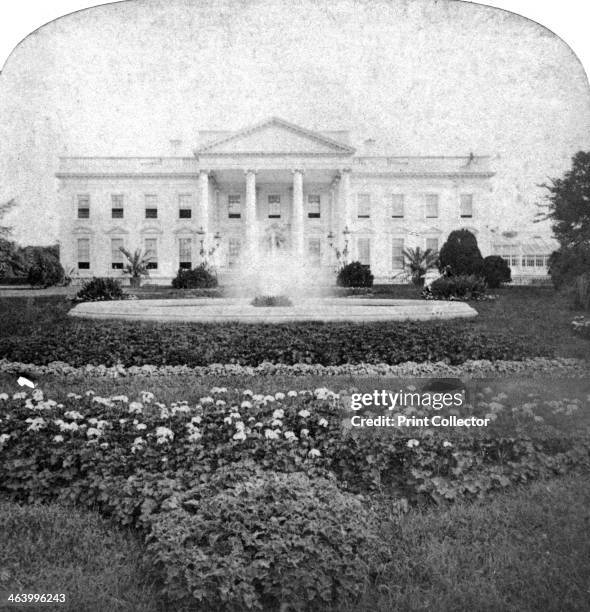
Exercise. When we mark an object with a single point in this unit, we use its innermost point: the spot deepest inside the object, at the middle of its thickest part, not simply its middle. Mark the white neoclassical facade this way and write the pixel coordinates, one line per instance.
(276, 184)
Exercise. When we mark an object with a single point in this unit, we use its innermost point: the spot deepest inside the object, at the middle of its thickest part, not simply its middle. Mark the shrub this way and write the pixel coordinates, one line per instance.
(566, 264)
(460, 254)
(496, 271)
(581, 291)
(269, 539)
(271, 300)
(462, 287)
(45, 269)
(419, 262)
(97, 289)
(200, 277)
(355, 274)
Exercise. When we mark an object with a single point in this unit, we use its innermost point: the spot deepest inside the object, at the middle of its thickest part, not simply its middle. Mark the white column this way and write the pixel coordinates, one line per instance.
(204, 201)
(345, 202)
(251, 228)
(298, 237)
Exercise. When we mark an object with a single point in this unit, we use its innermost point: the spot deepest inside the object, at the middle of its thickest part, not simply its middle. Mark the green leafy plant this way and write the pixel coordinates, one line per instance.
(460, 255)
(419, 262)
(136, 266)
(100, 289)
(496, 271)
(271, 300)
(44, 269)
(354, 274)
(201, 277)
(463, 287)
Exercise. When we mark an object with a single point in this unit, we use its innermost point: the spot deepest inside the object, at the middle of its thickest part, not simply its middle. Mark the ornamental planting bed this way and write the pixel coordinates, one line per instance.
(248, 500)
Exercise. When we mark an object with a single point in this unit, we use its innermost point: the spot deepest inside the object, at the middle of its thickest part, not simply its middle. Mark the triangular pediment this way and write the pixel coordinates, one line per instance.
(275, 137)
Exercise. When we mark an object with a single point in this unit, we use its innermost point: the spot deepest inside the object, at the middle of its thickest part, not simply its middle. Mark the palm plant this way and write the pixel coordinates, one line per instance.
(136, 266)
(419, 262)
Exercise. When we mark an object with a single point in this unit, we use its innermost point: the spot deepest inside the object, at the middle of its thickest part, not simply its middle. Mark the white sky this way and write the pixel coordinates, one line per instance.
(419, 77)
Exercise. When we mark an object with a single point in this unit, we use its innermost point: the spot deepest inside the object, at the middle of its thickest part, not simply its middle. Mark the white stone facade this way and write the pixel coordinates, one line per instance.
(305, 191)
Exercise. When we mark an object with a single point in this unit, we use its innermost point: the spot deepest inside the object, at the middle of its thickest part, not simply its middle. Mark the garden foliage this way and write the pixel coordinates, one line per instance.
(496, 271)
(44, 269)
(460, 254)
(461, 287)
(200, 277)
(355, 274)
(251, 500)
(100, 289)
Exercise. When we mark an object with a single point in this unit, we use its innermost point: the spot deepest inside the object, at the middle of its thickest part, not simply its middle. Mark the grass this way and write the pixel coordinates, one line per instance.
(527, 550)
(54, 549)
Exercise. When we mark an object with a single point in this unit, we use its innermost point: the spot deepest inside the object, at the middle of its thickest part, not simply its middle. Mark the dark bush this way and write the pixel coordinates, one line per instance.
(45, 269)
(98, 289)
(460, 254)
(355, 274)
(464, 287)
(566, 264)
(271, 300)
(200, 277)
(269, 539)
(496, 271)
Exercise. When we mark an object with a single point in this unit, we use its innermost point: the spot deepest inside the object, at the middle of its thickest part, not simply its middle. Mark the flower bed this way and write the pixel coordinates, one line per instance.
(283, 468)
(81, 343)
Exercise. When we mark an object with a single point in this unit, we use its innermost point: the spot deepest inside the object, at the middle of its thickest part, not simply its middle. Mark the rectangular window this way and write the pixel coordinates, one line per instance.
(116, 206)
(116, 254)
(466, 203)
(151, 251)
(364, 251)
(83, 253)
(314, 250)
(185, 206)
(151, 206)
(432, 244)
(363, 202)
(233, 252)
(185, 254)
(83, 206)
(508, 252)
(274, 207)
(313, 206)
(431, 201)
(397, 254)
(234, 206)
(397, 205)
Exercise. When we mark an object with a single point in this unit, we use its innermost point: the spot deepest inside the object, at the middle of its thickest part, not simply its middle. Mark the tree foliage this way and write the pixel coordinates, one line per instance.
(460, 254)
(419, 262)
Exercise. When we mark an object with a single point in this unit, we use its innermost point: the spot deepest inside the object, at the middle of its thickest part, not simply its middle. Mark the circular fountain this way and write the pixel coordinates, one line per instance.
(274, 286)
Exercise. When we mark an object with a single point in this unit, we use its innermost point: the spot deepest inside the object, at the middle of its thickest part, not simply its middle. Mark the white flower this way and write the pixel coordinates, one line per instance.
(196, 420)
(195, 435)
(135, 407)
(304, 432)
(93, 432)
(323, 423)
(219, 390)
(37, 395)
(147, 397)
(258, 424)
(63, 426)
(35, 424)
(73, 414)
(20, 395)
(137, 444)
(270, 434)
(206, 400)
(4, 438)
(163, 434)
(3, 396)
(141, 426)
(314, 452)
(412, 443)
(120, 398)
(304, 413)
(235, 415)
(246, 404)
(258, 397)
(278, 414)
(292, 393)
(247, 392)
(277, 423)
(123, 421)
(279, 395)
(269, 398)
(241, 435)
(240, 426)
(74, 395)
(290, 435)
(89, 393)
(227, 420)
(58, 438)
(446, 444)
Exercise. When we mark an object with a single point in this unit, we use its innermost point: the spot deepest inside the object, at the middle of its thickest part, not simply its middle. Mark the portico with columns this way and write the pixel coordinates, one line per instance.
(274, 185)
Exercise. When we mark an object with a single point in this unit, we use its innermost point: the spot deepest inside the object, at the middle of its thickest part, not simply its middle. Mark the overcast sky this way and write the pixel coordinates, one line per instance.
(420, 78)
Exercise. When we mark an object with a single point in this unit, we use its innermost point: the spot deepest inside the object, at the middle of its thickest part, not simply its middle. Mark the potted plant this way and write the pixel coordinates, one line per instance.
(419, 262)
(136, 265)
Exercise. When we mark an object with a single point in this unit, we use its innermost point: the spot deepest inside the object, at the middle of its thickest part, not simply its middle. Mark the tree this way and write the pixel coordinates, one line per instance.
(496, 271)
(569, 211)
(5, 208)
(420, 262)
(460, 254)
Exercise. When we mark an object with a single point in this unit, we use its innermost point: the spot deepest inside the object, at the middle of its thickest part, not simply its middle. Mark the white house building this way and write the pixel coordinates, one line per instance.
(276, 184)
